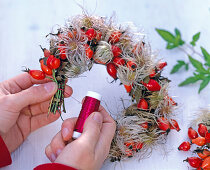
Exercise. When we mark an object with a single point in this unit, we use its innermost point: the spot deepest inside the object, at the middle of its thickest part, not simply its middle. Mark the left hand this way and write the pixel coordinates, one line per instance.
(24, 107)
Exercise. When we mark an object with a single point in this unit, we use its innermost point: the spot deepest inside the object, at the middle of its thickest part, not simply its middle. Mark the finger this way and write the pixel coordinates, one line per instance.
(33, 95)
(106, 116)
(43, 120)
(107, 133)
(49, 153)
(40, 108)
(57, 144)
(67, 128)
(22, 82)
(91, 130)
(68, 91)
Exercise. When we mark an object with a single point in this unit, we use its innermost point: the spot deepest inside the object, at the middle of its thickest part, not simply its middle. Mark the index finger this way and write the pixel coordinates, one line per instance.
(22, 82)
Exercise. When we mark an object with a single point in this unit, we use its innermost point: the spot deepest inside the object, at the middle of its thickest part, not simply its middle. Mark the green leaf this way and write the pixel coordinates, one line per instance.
(204, 83)
(178, 33)
(166, 35)
(177, 66)
(198, 65)
(200, 76)
(171, 46)
(195, 39)
(189, 81)
(181, 42)
(187, 66)
(178, 37)
(192, 43)
(206, 56)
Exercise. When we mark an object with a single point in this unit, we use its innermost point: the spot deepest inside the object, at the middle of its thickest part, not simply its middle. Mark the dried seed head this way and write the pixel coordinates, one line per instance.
(103, 53)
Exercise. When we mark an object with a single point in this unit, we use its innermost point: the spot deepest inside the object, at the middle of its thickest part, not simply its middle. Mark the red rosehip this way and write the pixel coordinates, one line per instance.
(116, 50)
(192, 134)
(185, 146)
(142, 104)
(202, 129)
(111, 69)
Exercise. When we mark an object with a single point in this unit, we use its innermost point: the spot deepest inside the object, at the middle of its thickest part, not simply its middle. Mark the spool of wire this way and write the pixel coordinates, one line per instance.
(91, 104)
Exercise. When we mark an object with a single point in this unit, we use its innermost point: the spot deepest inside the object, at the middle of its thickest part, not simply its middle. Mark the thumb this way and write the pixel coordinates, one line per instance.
(92, 129)
(33, 95)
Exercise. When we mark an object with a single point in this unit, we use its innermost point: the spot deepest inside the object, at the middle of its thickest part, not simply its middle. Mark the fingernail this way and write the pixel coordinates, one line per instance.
(58, 152)
(49, 87)
(97, 118)
(65, 132)
(52, 157)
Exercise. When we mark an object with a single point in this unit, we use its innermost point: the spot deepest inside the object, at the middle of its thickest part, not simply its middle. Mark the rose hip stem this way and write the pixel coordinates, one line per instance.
(58, 99)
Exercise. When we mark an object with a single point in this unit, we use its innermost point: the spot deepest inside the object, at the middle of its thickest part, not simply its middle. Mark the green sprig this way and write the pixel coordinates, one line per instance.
(202, 68)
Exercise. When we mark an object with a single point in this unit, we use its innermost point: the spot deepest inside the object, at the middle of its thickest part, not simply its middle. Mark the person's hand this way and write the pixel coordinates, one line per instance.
(89, 151)
(24, 107)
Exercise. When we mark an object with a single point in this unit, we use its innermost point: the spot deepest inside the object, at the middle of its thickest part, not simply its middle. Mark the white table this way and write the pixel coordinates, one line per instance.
(24, 24)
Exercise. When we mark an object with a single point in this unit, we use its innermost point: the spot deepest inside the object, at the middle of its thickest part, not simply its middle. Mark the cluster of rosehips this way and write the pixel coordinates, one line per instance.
(202, 162)
(48, 64)
(163, 124)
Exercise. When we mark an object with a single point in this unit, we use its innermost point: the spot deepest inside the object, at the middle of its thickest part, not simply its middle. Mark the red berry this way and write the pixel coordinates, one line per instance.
(49, 60)
(88, 51)
(175, 125)
(142, 104)
(202, 129)
(46, 52)
(91, 33)
(152, 85)
(45, 68)
(37, 74)
(161, 65)
(129, 144)
(55, 63)
(200, 141)
(137, 146)
(111, 69)
(185, 146)
(131, 65)
(118, 61)
(62, 53)
(115, 37)
(144, 125)
(206, 164)
(128, 88)
(207, 137)
(153, 73)
(163, 124)
(203, 153)
(192, 134)
(116, 50)
(194, 162)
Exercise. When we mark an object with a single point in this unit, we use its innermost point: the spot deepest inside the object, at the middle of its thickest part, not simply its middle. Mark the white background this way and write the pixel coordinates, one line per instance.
(24, 24)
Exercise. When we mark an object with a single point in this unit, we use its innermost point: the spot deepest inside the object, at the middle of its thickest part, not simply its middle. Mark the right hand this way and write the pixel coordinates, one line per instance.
(89, 151)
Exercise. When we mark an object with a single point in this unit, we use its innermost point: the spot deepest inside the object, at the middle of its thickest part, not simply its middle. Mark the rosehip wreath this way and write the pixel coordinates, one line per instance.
(86, 40)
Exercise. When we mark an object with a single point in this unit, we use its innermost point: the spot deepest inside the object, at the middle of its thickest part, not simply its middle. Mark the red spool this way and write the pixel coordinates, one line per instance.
(91, 104)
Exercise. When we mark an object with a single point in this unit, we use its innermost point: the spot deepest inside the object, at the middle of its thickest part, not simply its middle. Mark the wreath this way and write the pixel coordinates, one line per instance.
(86, 40)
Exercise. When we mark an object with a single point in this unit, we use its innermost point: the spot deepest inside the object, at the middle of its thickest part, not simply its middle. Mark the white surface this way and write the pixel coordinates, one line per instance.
(24, 24)
(94, 95)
